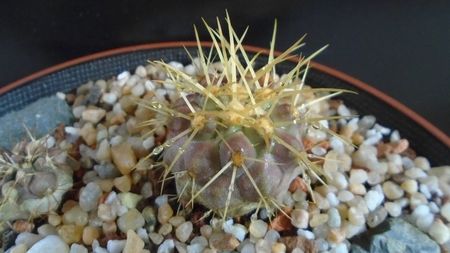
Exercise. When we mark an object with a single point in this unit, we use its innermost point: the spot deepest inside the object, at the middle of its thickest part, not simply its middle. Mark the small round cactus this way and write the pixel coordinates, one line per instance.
(234, 139)
(33, 180)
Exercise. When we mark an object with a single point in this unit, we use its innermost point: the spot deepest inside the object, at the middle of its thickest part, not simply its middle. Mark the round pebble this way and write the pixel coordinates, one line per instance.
(258, 228)
(183, 232)
(300, 218)
(131, 220)
(439, 232)
(392, 191)
(89, 196)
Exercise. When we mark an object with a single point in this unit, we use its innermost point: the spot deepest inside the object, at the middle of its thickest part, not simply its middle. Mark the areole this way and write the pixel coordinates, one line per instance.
(444, 138)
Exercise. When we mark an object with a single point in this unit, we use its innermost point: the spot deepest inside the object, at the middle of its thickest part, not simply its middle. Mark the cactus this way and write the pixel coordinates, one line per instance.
(234, 139)
(33, 180)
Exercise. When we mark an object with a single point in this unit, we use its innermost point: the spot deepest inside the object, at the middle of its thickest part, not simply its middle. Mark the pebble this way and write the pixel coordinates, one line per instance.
(300, 218)
(340, 248)
(123, 157)
(183, 232)
(90, 234)
(147, 190)
(131, 220)
(445, 211)
(93, 115)
(47, 229)
(134, 243)
(115, 246)
(306, 233)
(168, 246)
(421, 211)
(239, 231)
(376, 217)
(355, 216)
(70, 233)
(106, 212)
(334, 218)
(279, 248)
(392, 191)
(76, 216)
(89, 196)
(156, 238)
(123, 183)
(358, 176)
(138, 90)
(415, 173)
(177, 220)
(109, 98)
(393, 209)
(165, 229)
(439, 232)
(223, 242)
(425, 222)
(77, 248)
(345, 196)
(258, 228)
(103, 151)
(332, 199)
(373, 199)
(248, 248)
(261, 246)
(318, 219)
(27, 239)
(50, 244)
(165, 212)
(410, 186)
(129, 199)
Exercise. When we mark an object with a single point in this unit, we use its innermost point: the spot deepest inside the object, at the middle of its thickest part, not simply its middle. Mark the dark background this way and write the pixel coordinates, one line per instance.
(400, 47)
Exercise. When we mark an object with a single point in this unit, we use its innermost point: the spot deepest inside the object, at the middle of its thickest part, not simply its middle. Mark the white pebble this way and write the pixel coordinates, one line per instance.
(425, 222)
(72, 131)
(78, 110)
(138, 90)
(415, 173)
(373, 199)
(141, 71)
(122, 78)
(258, 228)
(50, 244)
(190, 70)
(78, 248)
(439, 232)
(109, 98)
(340, 248)
(115, 246)
(422, 162)
(345, 196)
(318, 150)
(168, 246)
(392, 191)
(393, 209)
(149, 85)
(342, 110)
(334, 218)
(183, 232)
(306, 233)
(89, 196)
(332, 199)
(358, 176)
(445, 211)
(395, 136)
(421, 211)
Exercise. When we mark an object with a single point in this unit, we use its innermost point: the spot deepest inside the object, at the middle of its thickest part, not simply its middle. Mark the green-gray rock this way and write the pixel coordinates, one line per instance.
(394, 235)
(40, 117)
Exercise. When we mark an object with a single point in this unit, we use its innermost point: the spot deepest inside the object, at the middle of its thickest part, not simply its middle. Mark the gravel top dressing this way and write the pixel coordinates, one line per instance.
(214, 156)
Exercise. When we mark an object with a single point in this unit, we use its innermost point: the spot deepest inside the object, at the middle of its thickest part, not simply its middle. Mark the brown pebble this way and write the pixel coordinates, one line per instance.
(298, 183)
(300, 242)
(123, 157)
(223, 242)
(281, 222)
(20, 226)
(400, 146)
(90, 234)
(336, 236)
(134, 243)
(123, 183)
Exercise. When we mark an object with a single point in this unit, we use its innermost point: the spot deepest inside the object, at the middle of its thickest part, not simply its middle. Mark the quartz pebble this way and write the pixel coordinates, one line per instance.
(439, 232)
(134, 243)
(392, 191)
(393, 209)
(183, 232)
(131, 220)
(334, 218)
(77, 248)
(258, 228)
(89, 196)
(123, 157)
(115, 246)
(373, 199)
(93, 115)
(168, 246)
(50, 244)
(300, 218)
(165, 212)
(27, 239)
(445, 211)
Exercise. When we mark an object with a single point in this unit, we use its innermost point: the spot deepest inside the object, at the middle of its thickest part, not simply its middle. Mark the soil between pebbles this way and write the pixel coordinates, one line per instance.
(117, 209)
